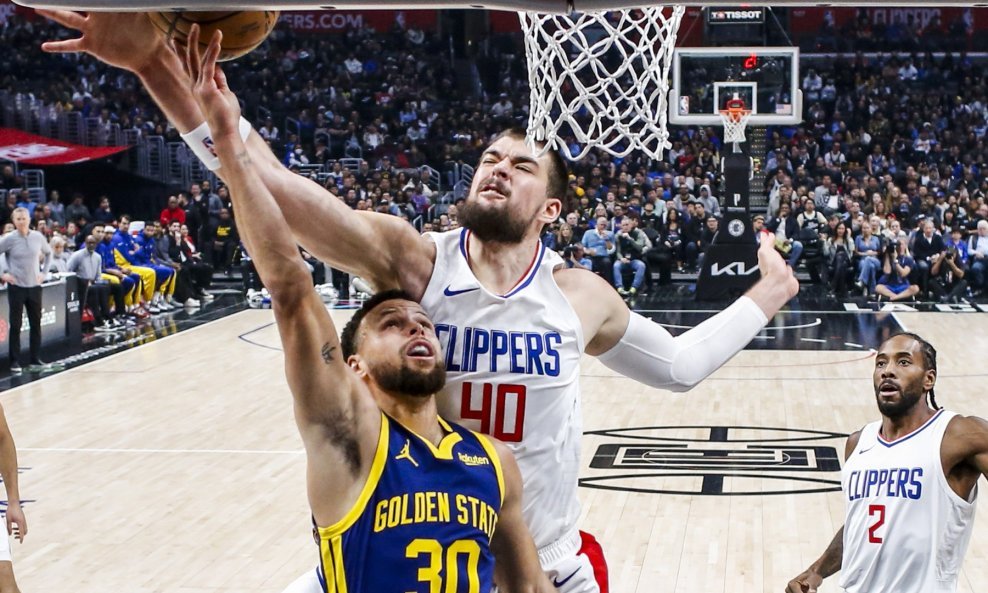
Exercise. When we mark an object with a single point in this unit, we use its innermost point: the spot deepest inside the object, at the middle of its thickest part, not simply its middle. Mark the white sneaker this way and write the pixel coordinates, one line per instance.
(191, 302)
(152, 308)
(106, 326)
(207, 296)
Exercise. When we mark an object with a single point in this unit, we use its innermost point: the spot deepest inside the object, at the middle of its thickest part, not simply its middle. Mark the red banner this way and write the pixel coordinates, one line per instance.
(30, 149)
(340, 21)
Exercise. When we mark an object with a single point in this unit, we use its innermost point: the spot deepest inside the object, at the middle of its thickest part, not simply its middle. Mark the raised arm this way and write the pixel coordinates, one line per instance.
(516, 568)
(644, 351)
(336, 415)
(383, 249)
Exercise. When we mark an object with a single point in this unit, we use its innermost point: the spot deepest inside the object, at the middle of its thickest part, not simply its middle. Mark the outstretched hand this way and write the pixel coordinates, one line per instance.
(209, 85)
(773, 267)
(125, 40)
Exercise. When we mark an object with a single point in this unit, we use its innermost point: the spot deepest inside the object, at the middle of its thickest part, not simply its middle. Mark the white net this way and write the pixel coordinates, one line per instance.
(735, 123)
(600, 79)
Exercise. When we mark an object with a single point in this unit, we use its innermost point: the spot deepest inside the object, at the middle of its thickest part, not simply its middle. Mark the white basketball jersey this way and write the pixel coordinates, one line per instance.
(906, 531)
(513, 365)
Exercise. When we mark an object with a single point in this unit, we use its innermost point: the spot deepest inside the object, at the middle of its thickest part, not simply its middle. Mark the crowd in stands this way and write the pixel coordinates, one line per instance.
(131, 273)
(890, 146)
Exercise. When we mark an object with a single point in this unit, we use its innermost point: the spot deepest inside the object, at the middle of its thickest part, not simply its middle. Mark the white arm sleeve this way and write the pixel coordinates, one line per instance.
(649, 354)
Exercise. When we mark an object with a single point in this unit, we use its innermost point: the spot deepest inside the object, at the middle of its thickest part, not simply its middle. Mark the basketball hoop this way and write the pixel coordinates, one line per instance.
(735, 118)
(600, 78)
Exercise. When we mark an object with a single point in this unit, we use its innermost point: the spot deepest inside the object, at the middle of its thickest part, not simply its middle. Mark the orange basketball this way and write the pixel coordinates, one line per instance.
(242, 30)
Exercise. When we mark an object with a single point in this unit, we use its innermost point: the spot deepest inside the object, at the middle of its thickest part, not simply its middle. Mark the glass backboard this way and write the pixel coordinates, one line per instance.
(765, 78)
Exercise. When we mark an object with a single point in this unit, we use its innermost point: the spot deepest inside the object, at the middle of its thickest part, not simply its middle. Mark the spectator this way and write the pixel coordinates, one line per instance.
(631, 244)
(786, 230)
(575, 257)
(23, 249)
(599, 245)
(897, 265)
(172, 212)
(710, 203)
(223, 242)
(104, 213)
(87, 265)
(10, 204)
(565, 237)
(838, 252)
(667, 251)
(77, 209)
(183, 249)
(710, 228)
(59, 258)
(869, 248)
(978, 250)
(184, 292)
(928, 247)
(949, 269)
(56, 209)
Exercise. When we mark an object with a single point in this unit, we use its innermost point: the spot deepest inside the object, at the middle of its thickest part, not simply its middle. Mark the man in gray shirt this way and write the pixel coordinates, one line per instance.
(23, 249)
(88, 266)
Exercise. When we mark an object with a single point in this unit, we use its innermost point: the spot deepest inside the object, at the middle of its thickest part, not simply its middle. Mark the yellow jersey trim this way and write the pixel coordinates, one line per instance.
(488, 446)
(445, 448)
(331, 558)
(377, 468)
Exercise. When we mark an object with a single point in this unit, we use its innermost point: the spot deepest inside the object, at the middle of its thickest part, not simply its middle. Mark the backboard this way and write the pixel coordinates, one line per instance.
(765, 78)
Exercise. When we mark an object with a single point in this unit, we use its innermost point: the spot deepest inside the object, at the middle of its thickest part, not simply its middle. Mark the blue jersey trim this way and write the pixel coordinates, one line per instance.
(910, 435)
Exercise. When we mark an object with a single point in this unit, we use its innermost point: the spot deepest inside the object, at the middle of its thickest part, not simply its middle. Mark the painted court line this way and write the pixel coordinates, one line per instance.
(183, 451)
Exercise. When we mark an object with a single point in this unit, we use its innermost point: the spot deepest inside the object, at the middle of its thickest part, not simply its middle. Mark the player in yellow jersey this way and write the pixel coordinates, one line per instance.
(433, 503)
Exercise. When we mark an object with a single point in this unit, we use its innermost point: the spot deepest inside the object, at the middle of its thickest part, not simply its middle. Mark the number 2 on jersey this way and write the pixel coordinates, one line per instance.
(493, 408)
(879, 511)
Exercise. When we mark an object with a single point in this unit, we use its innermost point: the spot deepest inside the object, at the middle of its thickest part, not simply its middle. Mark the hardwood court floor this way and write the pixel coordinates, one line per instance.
(176, 467)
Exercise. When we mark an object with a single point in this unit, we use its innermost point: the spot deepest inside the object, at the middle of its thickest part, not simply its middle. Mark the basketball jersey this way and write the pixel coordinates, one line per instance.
(423, 520)
(513, 368)
(906, 530)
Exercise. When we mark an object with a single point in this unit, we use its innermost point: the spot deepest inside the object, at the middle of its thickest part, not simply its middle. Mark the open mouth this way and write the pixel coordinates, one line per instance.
(888, 389)
(420, 349)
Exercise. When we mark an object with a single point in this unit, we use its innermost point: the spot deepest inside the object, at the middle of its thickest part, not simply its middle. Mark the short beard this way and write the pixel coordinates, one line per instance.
(492, 224)
(894, 411)
(410, 382)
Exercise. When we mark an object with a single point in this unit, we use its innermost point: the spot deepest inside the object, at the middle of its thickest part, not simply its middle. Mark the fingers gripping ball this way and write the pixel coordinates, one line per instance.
(242, 30)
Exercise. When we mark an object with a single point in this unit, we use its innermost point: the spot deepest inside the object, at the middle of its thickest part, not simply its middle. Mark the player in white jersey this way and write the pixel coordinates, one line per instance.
(505, 307)
(909, 483)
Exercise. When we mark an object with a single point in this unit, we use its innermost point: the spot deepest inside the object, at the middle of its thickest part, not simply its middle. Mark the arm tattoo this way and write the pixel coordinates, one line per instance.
(244, 158)
(833, 557)
(327, 352)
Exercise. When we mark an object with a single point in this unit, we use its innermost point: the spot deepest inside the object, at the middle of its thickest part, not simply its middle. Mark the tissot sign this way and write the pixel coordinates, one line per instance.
(735, 16)
(715, 460)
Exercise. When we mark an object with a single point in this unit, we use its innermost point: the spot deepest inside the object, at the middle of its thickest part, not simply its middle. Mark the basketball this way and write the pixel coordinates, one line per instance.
(242, 30)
